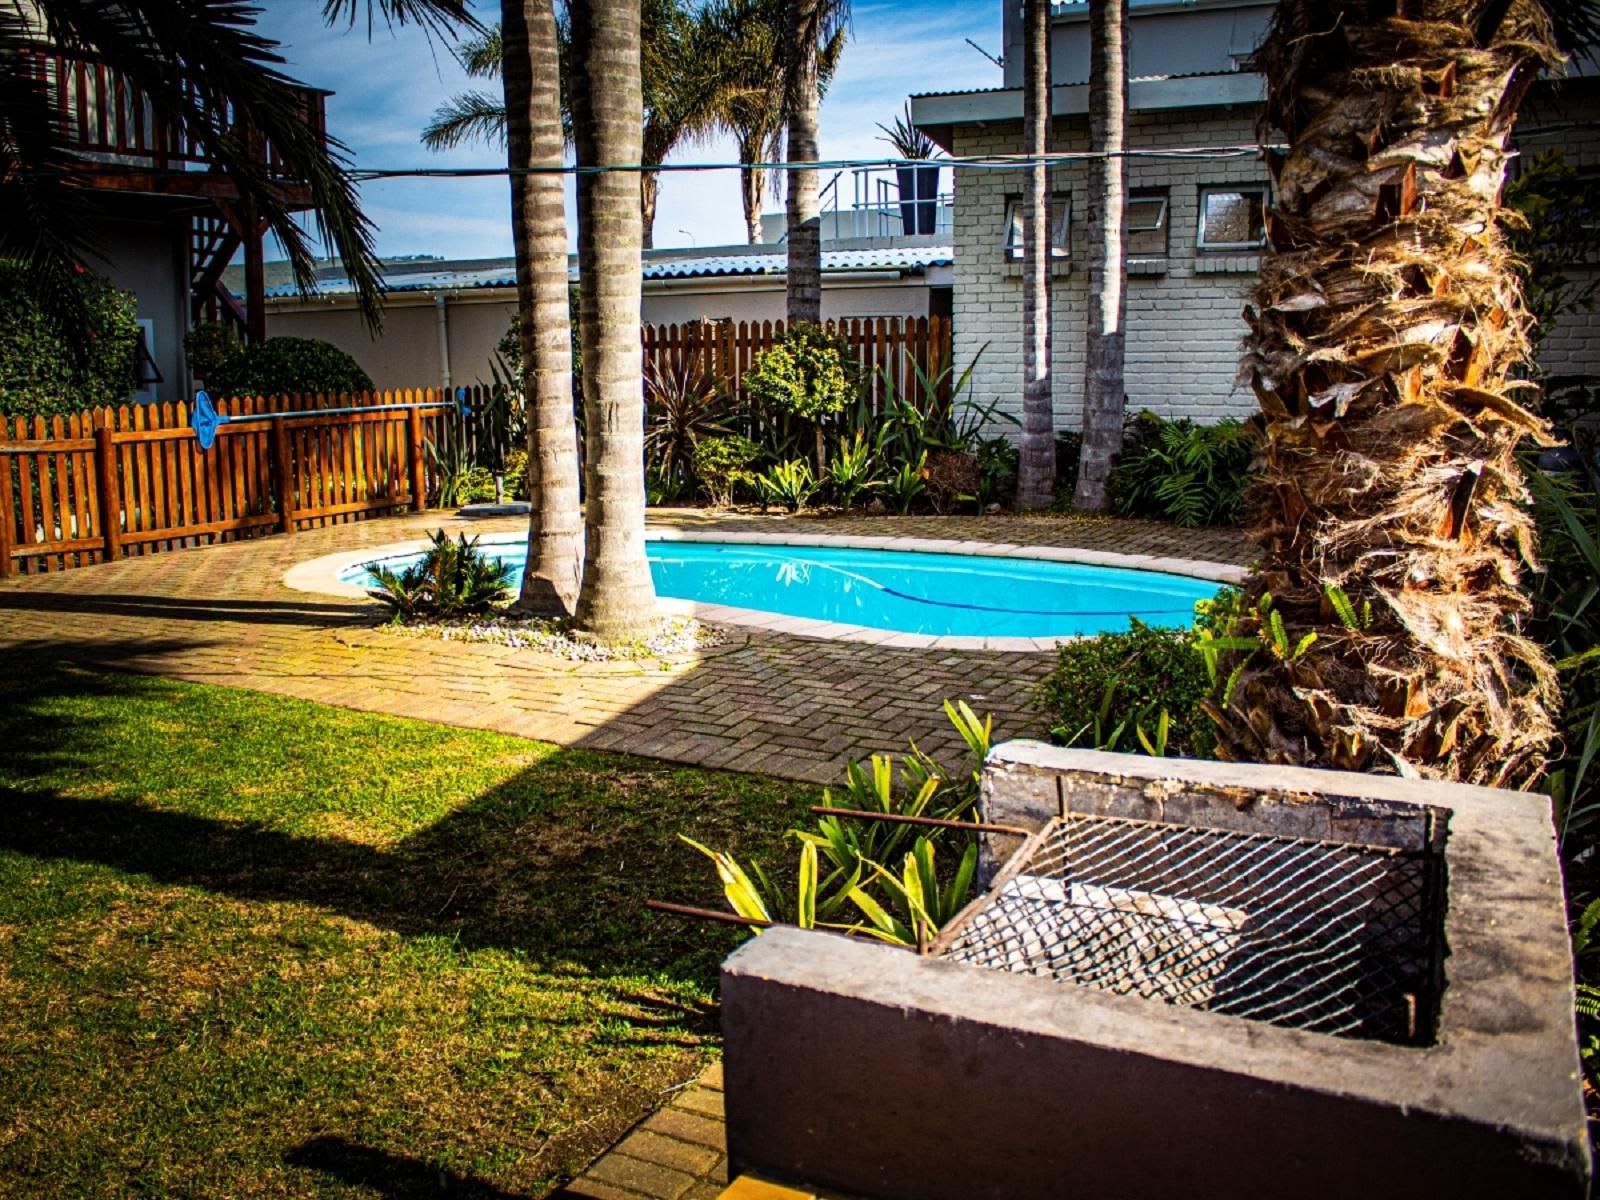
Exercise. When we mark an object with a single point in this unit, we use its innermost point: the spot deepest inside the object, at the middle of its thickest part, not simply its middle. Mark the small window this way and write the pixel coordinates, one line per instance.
(1147, 224)
(1060, 227)
(1232, 218)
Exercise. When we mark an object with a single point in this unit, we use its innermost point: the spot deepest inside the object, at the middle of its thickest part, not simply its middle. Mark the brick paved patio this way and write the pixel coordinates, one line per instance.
(787, 706)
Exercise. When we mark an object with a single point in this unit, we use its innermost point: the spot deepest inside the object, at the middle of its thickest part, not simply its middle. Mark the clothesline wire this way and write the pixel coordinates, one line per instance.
(982, 162)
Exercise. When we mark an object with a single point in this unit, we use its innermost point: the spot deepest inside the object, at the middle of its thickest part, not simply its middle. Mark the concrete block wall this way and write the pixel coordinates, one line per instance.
(1184, 324)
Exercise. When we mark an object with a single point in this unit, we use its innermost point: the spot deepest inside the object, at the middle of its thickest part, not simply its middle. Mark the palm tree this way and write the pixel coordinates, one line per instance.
(1036, 469)
(1387, 334)
(531, 74)
(617, 598)
(809, 26)
(1107, 223)
(677, 94)
(744, 39)
(191, 60)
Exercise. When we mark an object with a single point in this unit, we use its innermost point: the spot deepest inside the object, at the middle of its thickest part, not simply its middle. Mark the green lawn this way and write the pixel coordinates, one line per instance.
(258, 947)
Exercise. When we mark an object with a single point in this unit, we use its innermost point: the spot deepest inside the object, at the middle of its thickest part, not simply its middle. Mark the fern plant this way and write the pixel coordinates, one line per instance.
(1182, 472)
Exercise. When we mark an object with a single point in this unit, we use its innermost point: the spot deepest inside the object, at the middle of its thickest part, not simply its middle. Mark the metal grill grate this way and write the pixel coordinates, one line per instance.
(1334, 937)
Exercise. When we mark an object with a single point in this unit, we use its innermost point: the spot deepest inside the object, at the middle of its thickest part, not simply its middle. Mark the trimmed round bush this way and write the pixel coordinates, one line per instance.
(807, 372)
(284, 366)
(44, 371)
(1147, 670)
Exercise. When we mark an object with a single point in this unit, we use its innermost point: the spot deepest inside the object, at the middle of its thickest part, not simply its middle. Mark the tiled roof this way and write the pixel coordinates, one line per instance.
(705, 266)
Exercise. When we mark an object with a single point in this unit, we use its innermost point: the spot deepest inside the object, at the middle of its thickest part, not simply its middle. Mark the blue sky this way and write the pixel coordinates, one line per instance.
(386, 90)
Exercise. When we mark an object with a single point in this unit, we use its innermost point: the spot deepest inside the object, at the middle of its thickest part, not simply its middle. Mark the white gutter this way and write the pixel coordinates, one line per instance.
(1144, 95)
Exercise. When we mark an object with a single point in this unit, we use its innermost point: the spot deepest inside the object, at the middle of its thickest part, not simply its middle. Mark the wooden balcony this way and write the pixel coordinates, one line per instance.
(124, 147)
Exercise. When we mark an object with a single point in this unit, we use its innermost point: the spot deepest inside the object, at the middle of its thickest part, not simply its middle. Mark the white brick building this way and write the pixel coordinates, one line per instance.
(1188, 276)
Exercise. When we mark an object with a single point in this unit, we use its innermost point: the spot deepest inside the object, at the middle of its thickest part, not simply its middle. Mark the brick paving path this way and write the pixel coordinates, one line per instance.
(776, 704)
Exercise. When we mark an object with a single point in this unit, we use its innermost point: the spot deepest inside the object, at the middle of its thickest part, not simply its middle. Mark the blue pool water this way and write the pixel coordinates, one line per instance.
(939, 594)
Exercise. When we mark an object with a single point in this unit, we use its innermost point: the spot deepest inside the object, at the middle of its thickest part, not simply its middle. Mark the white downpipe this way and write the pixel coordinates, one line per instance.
(444, 342)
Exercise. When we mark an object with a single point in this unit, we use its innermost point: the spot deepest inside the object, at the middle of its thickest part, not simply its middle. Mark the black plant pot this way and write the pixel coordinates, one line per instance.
(919, 198)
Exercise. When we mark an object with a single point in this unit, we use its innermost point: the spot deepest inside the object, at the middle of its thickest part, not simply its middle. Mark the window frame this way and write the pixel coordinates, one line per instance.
(1162, 224)
(1260, 189)
(1061, 235)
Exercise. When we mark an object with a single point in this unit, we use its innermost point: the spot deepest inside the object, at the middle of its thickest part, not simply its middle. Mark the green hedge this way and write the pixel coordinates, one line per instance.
(279, 366)
(39, 373)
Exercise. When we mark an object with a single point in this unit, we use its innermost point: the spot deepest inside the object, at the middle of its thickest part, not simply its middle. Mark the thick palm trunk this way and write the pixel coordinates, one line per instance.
(1036, 469)
(1107, 223)
(1385, 337)
(617, 599)
(531, 76)
(804, 288)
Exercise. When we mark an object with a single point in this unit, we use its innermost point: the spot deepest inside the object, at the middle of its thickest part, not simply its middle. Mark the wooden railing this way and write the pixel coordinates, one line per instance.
(883, 346)
(109, 120)
(100, 485)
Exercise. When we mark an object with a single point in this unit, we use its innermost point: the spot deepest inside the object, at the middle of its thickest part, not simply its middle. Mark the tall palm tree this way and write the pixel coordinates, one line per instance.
(678, 94)
(1036, 468)
(531, 74)
(191, 60)
(809, 26)
(1386, 338)
(617, 598)
(744, 42)
(1107, 223)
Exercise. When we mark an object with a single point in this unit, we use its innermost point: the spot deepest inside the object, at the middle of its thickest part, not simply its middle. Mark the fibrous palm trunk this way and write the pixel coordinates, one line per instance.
(752, 182)
(803, 105)
(1036, 469)
(1107, 223)
(1385, 338)
(531, 77)
(649, 189)
(617, 598)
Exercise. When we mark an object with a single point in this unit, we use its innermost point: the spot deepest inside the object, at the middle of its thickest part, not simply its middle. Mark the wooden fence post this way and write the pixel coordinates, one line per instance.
(8, 517)
(105, 470)
(419, 467)
(283, 476)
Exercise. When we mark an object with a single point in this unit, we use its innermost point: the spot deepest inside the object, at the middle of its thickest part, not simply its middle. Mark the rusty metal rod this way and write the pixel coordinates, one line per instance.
(822, 810)
(705, 914)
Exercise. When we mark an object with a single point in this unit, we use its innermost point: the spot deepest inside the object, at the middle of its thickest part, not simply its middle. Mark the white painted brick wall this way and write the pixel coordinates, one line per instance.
(1184, 327)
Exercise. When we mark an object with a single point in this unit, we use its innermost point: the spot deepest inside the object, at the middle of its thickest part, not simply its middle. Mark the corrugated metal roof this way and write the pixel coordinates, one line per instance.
(705, 266)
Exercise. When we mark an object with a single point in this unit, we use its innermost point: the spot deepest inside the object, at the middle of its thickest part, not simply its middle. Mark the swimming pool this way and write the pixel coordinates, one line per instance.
(932, 594)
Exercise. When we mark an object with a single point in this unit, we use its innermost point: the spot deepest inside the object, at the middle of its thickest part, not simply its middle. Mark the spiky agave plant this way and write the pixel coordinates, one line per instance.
(1386, 338)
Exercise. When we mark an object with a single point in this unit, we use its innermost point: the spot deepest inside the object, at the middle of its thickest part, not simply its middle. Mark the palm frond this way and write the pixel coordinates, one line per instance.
(481, 54)
(441, 18)
(197, 62)
(467, 117)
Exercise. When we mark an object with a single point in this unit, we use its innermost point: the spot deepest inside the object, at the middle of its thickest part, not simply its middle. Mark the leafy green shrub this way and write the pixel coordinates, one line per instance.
(215, 351)
(457, 479)
(1182, 472)
(906, 486)
(790, 484)
(452, 579)
(805, 372)
(723, 463)
(683, 404)
(286, 366)
(515, 475)
(1128, 679)
(42, 373)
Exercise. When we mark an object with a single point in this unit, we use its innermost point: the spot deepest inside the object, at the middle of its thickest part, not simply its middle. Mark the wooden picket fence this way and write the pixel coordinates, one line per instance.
(885, 347)
(108, 483)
